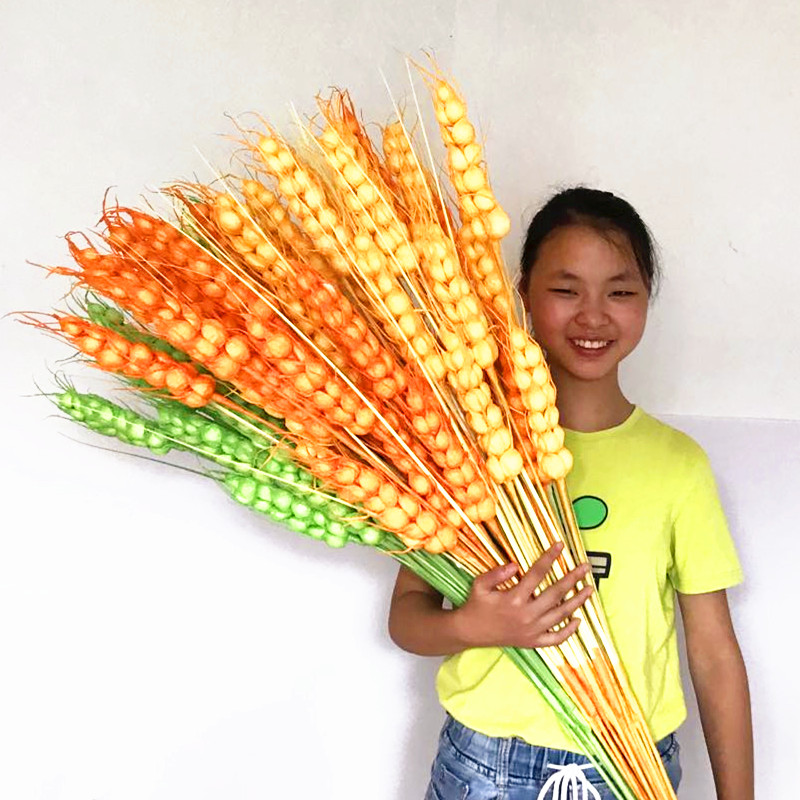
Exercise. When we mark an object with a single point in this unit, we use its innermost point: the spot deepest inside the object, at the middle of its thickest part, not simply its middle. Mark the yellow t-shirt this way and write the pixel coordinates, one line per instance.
(651, 521)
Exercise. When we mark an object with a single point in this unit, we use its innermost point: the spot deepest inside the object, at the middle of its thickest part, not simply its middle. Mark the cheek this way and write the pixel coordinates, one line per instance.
(546, 317)
(633, 324)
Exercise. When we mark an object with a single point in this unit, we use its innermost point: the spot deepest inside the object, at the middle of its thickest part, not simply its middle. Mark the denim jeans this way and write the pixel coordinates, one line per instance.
(471, 765)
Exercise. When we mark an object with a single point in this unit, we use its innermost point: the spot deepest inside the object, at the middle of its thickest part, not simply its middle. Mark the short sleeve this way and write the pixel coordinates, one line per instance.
(704, 557)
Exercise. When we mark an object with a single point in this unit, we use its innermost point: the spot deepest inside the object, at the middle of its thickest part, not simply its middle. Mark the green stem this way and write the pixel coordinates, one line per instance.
(454, 584)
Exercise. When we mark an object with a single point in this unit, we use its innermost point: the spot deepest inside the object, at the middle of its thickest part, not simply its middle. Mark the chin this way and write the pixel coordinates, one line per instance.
(590, 375)
(597, 371)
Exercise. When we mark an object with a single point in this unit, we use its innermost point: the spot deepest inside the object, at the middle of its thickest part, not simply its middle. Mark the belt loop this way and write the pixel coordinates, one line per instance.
(503, 759)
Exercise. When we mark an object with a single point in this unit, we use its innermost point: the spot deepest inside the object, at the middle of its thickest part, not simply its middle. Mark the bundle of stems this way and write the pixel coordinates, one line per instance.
(335, 330)
(251, 467)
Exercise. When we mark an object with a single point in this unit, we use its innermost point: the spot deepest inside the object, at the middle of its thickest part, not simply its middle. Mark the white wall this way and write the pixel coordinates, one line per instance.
(158, 642)
(757, 464)
(689, 110)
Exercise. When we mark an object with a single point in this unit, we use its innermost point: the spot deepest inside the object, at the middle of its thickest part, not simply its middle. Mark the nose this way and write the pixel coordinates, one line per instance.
(592, 311)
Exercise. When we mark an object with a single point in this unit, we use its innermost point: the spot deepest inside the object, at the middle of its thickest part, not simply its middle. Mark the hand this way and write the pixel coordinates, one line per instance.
(495, 617)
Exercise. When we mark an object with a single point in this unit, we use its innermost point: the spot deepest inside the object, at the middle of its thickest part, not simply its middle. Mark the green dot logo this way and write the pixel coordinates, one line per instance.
(590, 511)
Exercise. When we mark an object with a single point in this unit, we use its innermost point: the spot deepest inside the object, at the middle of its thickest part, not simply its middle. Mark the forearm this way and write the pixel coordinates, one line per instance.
(723, 698)
(493, 616)
(418, 625)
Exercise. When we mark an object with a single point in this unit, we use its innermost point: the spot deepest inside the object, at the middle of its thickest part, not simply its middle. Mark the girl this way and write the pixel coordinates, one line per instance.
(647, 504)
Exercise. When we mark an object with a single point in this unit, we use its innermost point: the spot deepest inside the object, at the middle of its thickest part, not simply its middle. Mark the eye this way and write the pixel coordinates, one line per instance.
(623, 293)
(561, 290)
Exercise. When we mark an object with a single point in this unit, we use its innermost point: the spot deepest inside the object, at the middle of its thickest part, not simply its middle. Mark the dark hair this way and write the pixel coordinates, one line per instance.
(603, 211)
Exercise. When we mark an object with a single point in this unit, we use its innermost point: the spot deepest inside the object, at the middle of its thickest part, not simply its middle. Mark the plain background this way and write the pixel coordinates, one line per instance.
(159, 642)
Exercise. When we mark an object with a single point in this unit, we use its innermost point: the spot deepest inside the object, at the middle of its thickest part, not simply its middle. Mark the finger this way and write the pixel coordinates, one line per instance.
(553, 638)
(495, 577)
(561, 612)
(553, 595)
(535, 575)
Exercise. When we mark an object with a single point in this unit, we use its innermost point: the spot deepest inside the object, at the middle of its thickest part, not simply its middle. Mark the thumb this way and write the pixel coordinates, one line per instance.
(493, 578)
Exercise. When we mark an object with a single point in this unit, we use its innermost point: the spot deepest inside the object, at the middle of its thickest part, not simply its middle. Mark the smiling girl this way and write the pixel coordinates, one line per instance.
(655, 531)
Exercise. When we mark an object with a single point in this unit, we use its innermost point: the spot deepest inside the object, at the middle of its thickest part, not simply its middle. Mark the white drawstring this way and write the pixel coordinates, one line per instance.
(566, 778)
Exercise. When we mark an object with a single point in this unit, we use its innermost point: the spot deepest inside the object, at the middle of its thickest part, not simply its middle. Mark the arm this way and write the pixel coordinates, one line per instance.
(492, 616)
(720, 683)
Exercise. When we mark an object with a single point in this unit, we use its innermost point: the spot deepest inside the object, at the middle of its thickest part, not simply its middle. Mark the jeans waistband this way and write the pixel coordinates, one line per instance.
(489, 754)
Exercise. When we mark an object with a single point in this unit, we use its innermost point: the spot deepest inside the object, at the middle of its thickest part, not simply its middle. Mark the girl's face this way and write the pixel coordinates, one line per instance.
(587, 301)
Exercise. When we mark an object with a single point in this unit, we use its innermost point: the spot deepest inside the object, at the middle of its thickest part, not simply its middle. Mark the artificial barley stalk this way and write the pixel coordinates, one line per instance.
(324, 332)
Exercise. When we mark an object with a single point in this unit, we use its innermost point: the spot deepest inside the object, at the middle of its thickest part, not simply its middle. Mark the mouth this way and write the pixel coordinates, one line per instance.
(591, 347)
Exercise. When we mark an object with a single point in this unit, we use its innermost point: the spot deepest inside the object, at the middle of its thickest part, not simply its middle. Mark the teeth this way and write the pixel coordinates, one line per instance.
(591, 344)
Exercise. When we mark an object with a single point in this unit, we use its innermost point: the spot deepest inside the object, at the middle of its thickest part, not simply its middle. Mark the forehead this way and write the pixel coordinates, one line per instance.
(579, 251)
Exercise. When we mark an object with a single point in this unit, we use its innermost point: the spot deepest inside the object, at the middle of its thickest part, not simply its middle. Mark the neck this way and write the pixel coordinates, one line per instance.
(590, 405)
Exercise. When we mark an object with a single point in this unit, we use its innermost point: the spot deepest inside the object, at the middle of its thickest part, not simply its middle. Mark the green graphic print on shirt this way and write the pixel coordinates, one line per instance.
(591, 512)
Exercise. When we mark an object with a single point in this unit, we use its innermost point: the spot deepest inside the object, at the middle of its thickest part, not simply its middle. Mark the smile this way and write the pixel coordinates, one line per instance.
(591, 344)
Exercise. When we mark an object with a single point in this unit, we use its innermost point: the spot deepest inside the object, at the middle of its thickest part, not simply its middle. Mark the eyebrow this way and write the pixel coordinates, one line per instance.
(620, 277)
(628, 275)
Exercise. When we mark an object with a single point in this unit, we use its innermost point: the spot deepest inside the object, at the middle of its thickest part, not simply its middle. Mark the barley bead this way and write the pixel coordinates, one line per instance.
(445, 538)
(457, 357)
(476, 491)
(367, 195)
(522, 380)
(393, 160)
(474, 179)
(457, 160)
(486, 509)
(454, 110)
(420, 484)
(533, 354)
(441, 114)
(477, 421)
(475, 326)
(397, 302)
(434, 366)
(495, 469)
(494, 416)
(485, 352)
(551, 441)
(462, 132)
(394, 519)
(473, 153)
(345, 476)
(535, 399)
(478, 229)
(410, 324)
(553, 466)
(540, 375)
(405, 257)
(483, 200)
(467, 207)
(511, 461)
(498, 442)
(322, 401)
(498, 223)
(229, 221)
(224, 367)
(477, 400)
